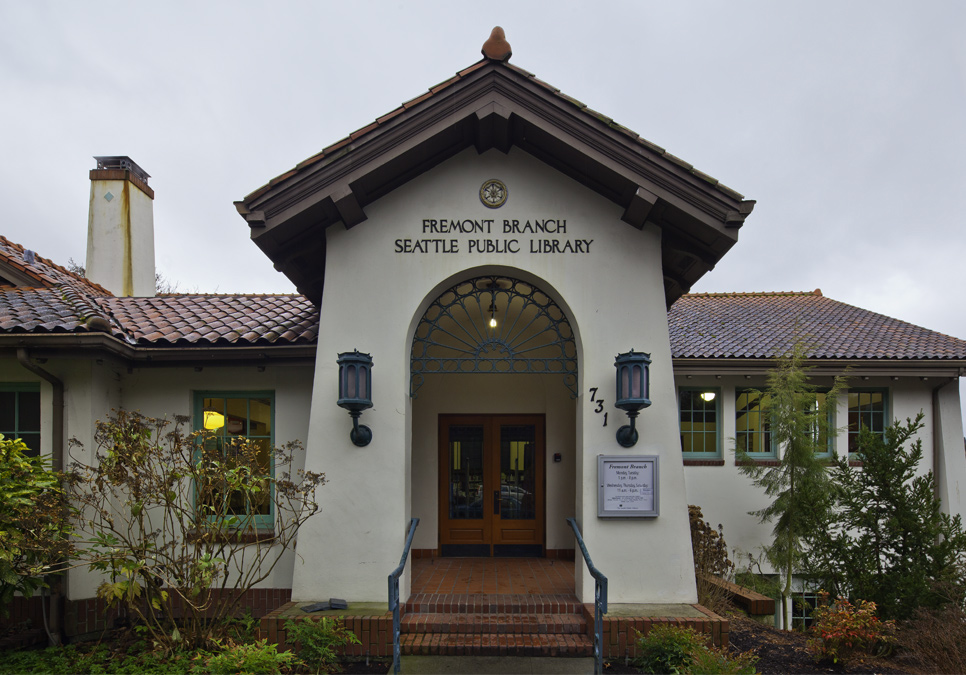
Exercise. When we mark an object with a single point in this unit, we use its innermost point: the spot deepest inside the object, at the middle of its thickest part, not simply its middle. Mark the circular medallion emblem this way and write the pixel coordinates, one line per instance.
(493, 193)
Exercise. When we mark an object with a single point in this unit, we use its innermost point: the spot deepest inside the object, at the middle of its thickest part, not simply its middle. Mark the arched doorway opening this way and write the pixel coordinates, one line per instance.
(493, 376)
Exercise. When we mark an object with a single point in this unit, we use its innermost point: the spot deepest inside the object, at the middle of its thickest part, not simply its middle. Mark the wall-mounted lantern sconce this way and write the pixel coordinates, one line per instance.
(633, 391)
(355, 392)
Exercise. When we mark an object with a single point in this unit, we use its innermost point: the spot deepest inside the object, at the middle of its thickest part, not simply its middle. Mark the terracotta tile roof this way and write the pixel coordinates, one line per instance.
(43, 271)
(765, 325)
(343, 146)
(173, 320)
(701, 325)
(37, 310)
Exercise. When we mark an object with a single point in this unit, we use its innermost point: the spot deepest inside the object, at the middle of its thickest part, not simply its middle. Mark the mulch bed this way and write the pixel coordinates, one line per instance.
(780, 652)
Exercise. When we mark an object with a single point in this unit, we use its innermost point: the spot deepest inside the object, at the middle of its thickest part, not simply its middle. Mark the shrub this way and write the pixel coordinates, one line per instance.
(937, 637)
(34, 521)
(710, 559)
(842, 629)
(319, 642)
(715, 661)
(252, 657)
(672, 649)
(668, 649)
(167, 516)
(888, 540)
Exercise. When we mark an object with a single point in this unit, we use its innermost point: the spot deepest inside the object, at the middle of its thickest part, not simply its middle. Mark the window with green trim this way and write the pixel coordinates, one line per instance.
(232, 416)
(822, 437)
(700, 415)
(868, 409)
(752, 434)
(20, 414)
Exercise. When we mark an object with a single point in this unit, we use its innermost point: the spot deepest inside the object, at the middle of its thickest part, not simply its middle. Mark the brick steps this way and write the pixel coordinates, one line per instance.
(490, 624)
(495, 644)
(494, 623)
(492, 603)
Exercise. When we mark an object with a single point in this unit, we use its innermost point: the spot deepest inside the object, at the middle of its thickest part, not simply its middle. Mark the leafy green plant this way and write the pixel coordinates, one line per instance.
(34, 522)
(668, 649)
(319, 642)
(842, 629)
(888, 540)
(715, 661)
(672, 649)
(251, 657)
(166, 516)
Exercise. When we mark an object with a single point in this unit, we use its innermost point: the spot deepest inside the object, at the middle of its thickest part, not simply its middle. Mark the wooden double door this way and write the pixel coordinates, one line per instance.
(492, 483)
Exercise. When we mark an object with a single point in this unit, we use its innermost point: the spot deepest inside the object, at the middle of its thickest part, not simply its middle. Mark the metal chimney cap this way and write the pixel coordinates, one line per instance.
(123, 162)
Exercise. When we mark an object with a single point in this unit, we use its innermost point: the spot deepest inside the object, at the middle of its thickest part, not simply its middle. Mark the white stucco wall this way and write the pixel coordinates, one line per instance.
(374, 295)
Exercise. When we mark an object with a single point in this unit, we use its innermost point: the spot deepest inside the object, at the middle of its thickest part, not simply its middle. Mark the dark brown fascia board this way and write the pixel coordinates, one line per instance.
(515, 95)
(937, 368)
(68, 345)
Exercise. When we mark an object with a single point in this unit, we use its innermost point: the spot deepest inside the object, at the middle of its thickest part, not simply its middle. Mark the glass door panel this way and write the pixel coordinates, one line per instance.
(517, 472)
(466, 472)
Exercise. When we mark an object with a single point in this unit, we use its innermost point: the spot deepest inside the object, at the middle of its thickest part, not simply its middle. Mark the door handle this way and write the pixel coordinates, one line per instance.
(496, 502)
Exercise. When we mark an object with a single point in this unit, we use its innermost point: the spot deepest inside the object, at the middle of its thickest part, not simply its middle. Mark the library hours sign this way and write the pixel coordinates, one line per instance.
(627, 486)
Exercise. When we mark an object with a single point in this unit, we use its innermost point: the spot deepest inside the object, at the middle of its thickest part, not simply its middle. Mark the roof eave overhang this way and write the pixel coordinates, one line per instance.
(938, 368)
(75, 345)
(495, 106)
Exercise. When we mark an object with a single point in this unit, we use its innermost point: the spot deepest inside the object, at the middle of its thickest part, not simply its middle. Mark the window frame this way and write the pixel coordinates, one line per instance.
(718, 423)
(18, 388)
(259, 522)
(772, 452)
(829, 451)
(849, 433)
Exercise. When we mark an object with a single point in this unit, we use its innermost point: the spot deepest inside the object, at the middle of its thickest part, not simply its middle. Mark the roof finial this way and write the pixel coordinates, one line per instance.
(497, 48)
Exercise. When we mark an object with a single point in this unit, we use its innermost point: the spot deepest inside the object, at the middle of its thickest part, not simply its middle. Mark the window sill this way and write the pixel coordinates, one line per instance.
(703, 462)
(758, 462)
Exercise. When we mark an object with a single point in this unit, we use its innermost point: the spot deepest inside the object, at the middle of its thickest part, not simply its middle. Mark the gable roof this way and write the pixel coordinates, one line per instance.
(766, 325)
(493, 104)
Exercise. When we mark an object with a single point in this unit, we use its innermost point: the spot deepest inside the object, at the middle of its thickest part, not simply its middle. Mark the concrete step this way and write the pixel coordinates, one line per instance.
(495, 644)
(513, 623)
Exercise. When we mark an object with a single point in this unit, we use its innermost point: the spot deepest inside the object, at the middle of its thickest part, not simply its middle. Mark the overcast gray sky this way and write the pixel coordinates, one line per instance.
(846, 121)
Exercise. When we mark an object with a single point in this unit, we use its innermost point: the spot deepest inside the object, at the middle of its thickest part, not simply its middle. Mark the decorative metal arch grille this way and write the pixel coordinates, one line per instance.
(532, 333)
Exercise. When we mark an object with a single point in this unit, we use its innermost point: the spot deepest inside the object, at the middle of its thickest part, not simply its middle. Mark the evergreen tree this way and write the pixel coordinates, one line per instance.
(799, 485)
(888, 540)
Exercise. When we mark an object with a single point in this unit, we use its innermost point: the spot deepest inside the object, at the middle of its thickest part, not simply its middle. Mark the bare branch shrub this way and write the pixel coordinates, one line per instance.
(182, 524)
(710, 560)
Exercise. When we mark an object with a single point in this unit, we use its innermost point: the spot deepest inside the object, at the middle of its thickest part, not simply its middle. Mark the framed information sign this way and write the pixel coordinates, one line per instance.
(627, 486)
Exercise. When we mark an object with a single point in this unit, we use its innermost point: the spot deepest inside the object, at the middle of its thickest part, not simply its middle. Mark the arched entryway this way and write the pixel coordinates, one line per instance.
(493, 372)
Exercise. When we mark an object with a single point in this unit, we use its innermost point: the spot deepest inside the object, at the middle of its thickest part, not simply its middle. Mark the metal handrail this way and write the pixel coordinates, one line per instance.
(600, 600)
(394, 596)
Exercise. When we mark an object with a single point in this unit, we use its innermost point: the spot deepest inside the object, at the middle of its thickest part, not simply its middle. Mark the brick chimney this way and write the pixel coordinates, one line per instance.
(120, 228)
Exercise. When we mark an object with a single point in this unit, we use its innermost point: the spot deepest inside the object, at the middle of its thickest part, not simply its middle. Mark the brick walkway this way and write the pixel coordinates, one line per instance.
(517, 576)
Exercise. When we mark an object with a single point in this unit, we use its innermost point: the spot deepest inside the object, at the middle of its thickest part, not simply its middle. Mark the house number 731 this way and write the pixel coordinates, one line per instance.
(600, 404)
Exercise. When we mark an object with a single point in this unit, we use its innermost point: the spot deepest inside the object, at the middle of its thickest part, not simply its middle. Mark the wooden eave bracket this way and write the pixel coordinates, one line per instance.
(492, 128)
(735, 219)
(347, 204)
(640, 207)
